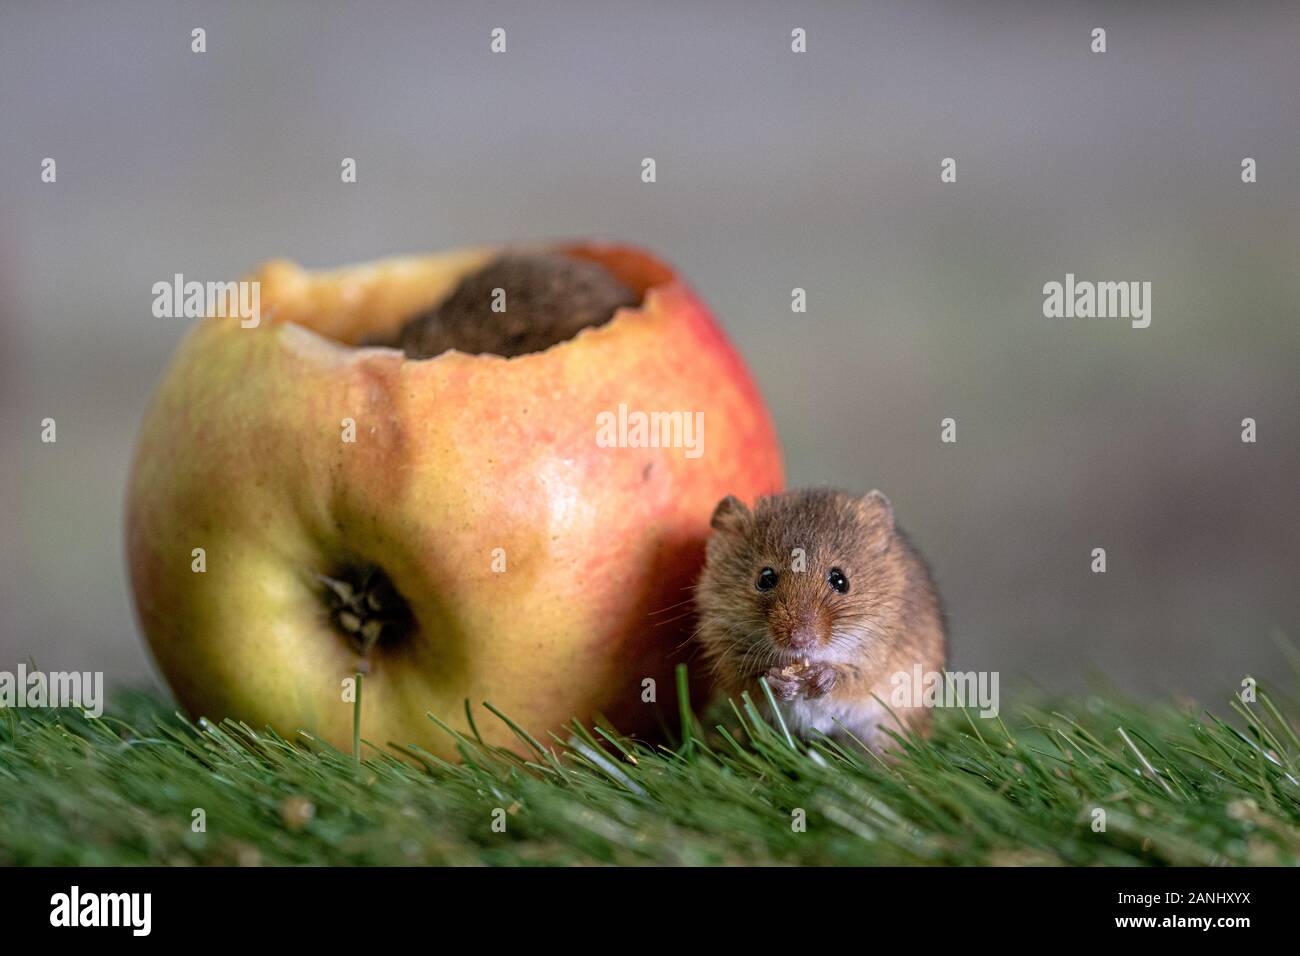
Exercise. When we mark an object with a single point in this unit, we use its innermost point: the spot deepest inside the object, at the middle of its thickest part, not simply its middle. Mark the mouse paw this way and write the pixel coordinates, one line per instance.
(818, 680)
(784, 686)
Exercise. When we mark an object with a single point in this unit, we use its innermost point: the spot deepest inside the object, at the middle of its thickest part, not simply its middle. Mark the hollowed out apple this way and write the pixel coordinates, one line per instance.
(243, 454)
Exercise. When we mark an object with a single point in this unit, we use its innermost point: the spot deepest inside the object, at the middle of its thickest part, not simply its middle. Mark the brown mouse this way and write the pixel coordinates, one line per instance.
(823, 594)
(518, 303)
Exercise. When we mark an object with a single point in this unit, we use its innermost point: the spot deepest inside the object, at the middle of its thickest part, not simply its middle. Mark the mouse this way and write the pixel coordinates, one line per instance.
(823, 594)
(517, 303)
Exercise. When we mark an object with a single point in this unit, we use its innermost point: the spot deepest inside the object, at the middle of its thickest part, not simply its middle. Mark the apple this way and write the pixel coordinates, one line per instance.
(519, 538)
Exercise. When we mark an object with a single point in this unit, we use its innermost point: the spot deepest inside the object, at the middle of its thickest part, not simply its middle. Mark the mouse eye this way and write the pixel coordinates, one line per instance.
(766, 580)
(838, 581)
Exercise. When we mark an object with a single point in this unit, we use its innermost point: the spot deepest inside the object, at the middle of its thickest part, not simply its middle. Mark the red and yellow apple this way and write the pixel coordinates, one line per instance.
(545, 572)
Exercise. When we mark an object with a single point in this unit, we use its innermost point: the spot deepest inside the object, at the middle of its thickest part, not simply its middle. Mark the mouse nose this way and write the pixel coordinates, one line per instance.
(803, 636)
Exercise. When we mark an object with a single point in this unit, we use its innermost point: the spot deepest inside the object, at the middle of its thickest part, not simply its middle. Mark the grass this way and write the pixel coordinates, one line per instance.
(1178, 786)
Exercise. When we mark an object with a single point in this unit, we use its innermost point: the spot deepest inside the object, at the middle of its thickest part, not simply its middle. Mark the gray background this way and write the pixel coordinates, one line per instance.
(775, 170)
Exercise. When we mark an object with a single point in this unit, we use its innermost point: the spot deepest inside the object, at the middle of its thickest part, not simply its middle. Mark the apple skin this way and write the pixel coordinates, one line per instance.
(241, 454)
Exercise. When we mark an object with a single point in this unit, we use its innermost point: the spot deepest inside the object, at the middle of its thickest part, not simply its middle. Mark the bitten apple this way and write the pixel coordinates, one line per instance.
(302, 507)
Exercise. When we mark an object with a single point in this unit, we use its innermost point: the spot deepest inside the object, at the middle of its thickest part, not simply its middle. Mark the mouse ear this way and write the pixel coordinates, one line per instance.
(875, 500)
(729, 509)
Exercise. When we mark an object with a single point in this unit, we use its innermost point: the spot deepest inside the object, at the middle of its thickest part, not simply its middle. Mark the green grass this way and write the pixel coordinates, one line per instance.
(1178, 785)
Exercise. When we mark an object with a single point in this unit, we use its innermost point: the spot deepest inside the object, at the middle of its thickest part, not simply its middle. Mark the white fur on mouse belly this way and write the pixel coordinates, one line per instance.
(837, 719)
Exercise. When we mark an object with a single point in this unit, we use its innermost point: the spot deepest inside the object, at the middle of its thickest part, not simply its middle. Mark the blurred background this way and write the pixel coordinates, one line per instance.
(775, 170)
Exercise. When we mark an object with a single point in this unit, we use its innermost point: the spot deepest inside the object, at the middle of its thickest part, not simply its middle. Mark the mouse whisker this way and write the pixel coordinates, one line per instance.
(674, 620)
(665, 610)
